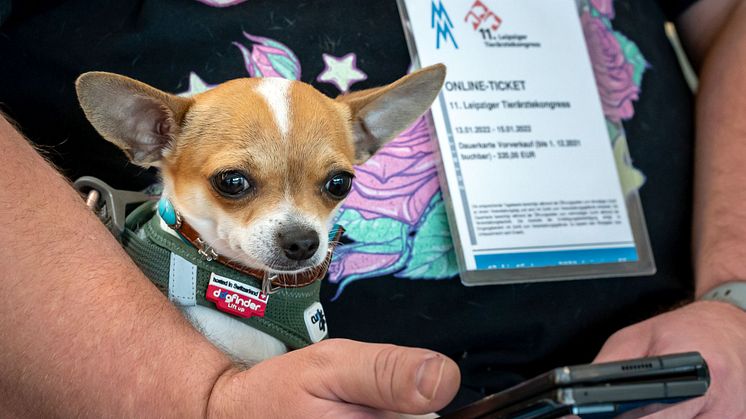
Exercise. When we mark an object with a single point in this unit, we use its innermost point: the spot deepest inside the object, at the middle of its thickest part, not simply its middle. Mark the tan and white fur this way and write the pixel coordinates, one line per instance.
(283, 139)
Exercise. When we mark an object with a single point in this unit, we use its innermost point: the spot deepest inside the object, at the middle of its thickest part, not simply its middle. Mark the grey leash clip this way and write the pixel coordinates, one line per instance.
(109, 204)
(267, 287)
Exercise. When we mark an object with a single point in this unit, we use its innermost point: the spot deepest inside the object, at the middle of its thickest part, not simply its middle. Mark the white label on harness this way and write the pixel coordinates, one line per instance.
(315, 322)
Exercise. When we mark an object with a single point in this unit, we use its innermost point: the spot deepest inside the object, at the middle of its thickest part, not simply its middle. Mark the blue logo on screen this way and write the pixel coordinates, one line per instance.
(442, 24)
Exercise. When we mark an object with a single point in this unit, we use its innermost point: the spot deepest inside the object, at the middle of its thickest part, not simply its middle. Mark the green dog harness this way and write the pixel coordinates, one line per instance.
(284, 306)
(292, 315)
(290, 312)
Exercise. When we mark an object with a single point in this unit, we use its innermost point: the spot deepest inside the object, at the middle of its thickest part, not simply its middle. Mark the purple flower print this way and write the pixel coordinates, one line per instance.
(269, 58)
(400, 180)
(360, 263)
(221, 3)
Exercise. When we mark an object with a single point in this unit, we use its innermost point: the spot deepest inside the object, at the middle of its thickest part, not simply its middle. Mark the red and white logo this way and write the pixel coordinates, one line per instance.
(236, 298)
(480, 15)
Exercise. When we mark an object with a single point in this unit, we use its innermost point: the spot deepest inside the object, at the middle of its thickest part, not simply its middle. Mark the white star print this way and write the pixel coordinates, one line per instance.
(342, 72)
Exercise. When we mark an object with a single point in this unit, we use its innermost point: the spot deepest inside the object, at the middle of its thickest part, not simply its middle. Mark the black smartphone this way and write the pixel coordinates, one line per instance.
(596, 391)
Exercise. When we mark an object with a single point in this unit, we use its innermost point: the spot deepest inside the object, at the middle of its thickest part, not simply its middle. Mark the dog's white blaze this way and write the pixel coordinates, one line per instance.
(276, 92)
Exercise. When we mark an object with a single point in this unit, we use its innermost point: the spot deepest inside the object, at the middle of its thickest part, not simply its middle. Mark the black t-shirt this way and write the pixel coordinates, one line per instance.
(393, 286)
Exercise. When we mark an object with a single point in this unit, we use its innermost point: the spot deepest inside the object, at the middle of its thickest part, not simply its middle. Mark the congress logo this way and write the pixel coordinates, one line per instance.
(483, 19)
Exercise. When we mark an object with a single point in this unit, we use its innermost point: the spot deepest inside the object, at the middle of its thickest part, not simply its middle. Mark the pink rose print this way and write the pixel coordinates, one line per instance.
(614, 74)
(604, 7)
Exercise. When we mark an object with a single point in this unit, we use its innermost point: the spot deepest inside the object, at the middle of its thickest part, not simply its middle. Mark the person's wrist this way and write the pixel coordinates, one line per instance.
(215, 406)
(731, 292)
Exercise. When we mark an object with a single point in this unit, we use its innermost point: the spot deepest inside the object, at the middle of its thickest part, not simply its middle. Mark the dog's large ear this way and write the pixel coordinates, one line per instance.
(379, 114)
(139, 119)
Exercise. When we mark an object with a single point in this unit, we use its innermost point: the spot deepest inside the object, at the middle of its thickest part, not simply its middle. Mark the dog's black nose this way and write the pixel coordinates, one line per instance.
(298, 243)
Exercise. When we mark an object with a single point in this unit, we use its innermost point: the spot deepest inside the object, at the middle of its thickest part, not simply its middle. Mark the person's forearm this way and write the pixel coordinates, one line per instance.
(720, 171)
(82, 331)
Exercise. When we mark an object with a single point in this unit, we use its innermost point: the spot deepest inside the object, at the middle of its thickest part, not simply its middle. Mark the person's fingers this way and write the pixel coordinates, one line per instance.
(683, 410)
(339, 378)
(386, 377)
(637, 341)
(631, 342)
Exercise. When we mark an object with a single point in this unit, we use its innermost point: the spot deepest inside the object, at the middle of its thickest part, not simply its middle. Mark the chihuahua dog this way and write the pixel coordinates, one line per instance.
(256, 166)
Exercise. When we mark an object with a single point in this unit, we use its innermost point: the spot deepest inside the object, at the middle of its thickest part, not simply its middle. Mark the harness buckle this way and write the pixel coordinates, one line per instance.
(204, 250)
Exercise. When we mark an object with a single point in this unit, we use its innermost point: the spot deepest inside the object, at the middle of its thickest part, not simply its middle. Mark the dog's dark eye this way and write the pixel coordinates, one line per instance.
(231, 184)
(339, 185)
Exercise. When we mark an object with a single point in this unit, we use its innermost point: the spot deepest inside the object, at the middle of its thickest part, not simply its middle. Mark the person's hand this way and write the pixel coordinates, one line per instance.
(717, 330)
(338, 379)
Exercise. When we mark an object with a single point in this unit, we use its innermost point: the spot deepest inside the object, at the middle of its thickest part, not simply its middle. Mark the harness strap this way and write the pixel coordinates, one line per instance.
(182, 281)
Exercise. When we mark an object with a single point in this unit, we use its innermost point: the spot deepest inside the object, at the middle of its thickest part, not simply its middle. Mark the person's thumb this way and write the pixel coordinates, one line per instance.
(386, 377)
(629, 343)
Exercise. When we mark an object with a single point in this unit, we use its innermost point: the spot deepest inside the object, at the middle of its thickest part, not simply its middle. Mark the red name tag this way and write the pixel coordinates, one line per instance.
(236, 298)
